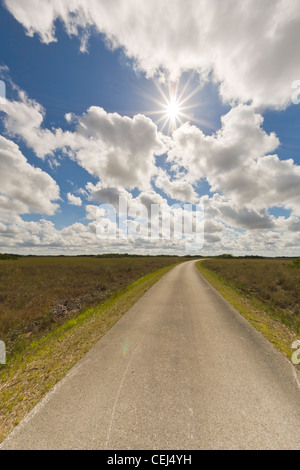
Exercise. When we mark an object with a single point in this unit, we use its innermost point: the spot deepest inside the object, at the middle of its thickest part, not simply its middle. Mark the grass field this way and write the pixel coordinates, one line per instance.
(273, 282)
(29, 375)
(265, 291)
(37, 294)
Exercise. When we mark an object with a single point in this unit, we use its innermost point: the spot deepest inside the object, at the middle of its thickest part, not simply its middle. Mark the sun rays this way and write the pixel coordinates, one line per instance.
(175, 105)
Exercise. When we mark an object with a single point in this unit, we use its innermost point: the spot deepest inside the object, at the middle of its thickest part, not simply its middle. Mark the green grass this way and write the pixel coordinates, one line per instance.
(31, 374)
(265, 292)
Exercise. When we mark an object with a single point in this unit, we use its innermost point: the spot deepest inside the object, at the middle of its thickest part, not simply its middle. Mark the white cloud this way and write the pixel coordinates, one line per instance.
(250, 48)
(43, 238)
(147, 198)
(117, 149)
(24, 119)
(91, 211)
(220, 209)
(74, 200)
(294, 224)
(211, 226)
(24, 188)
(42, 235)
(236, 162)
(107, 194)
(176, 189)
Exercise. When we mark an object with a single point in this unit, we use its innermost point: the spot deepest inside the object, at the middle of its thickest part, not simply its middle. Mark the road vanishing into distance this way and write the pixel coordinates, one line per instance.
(182, 369)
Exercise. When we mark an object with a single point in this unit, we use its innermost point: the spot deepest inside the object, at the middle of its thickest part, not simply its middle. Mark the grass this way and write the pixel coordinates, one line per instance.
(44, 361)
(37, 294)
(265, 291)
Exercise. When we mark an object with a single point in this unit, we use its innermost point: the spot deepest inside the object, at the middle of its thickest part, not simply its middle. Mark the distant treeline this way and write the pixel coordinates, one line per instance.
(9, 256)
(229, 256)
(13, 256)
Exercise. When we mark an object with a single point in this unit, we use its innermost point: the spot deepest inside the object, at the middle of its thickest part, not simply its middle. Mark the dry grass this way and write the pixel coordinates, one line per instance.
(265, 292)
(273, 283)
(26, 379)
(40, 293)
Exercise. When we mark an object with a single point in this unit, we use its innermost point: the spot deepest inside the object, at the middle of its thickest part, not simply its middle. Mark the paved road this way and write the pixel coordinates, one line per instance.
(181, 370)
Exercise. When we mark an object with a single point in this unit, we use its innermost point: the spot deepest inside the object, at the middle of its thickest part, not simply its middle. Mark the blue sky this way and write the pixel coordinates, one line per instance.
(231, 150)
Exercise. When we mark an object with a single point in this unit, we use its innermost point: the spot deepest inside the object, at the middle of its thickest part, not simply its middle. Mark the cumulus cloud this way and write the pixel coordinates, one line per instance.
(221, 209)
(294, 224)
(236, 162)
(42, 237)
(107, 194)
(148, 198)
(115, 148)
(211, 226)
(24, 118)
(176, 189)
(91, 212)
(250, 48)
(74, 200)
(118, 149)
(24, 188)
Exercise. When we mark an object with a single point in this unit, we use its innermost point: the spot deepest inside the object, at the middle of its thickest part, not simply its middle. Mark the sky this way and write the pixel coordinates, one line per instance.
(165, 102)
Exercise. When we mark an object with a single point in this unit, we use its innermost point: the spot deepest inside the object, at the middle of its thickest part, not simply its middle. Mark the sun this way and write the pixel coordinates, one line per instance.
(173, 109)
(174, 104)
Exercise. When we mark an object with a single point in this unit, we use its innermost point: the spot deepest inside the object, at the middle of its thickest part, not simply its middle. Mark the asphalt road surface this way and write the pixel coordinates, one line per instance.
(181, 370)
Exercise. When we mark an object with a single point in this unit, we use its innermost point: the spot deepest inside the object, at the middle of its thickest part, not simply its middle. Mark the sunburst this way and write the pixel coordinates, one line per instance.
(175, 105)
